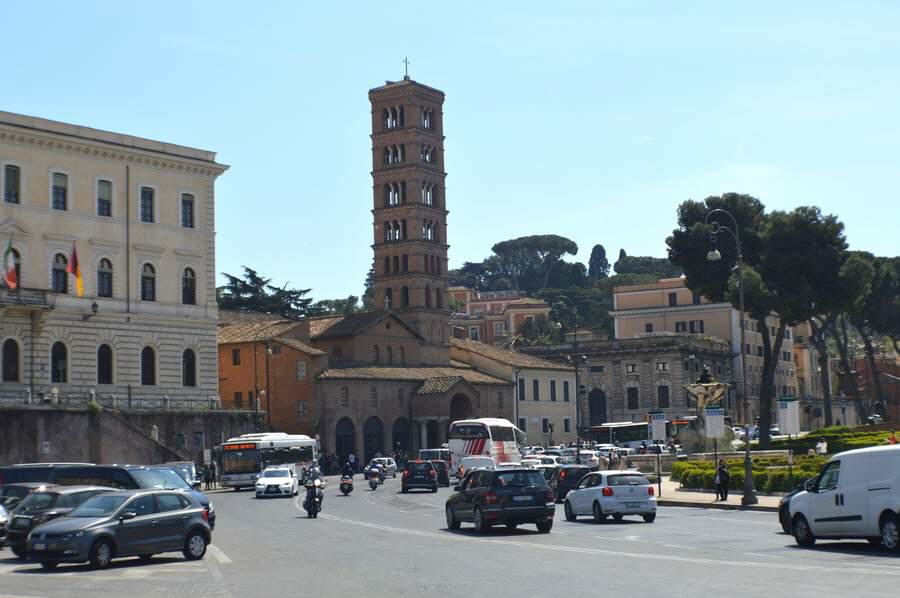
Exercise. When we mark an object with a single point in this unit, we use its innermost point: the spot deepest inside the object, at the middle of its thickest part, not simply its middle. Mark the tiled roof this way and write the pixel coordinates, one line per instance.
(255, 332)
(410, 374)
(436, 386)
(319, 325)
(303, 348)
(513, 358)
(459, 364)
(526, 301)
(227, 317)
(355, 323)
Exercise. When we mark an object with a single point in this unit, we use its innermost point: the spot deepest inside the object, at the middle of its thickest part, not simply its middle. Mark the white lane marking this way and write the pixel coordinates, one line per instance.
(219, 554)
(617, 553)
(765, 556)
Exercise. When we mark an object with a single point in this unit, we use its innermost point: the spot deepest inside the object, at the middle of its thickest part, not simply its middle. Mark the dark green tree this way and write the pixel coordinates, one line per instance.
(343, 307)
(637, 264)
(256, 293)
(790, 260)
(368, 298)
(598, 266)
(529, 261)
(539, 331)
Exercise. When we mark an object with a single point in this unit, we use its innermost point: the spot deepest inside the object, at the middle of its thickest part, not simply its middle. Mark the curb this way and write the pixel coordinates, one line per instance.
(662, 502)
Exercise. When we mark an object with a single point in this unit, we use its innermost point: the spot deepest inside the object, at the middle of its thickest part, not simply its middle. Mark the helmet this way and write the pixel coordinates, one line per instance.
(318, 483)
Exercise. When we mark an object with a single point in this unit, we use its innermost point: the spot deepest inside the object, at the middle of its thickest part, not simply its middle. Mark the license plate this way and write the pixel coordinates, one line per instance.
(521, 499)
(40, 547)
(632, 505)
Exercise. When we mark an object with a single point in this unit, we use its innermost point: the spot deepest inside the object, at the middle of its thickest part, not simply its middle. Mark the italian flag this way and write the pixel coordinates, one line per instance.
(9, 267)
(74, 268)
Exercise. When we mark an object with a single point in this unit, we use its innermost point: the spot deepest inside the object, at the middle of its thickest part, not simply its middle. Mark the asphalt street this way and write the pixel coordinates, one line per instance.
(384, 543)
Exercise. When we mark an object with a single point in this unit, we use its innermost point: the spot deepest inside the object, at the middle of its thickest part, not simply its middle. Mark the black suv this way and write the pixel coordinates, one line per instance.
(40, 507)
(419, 474)
(565, 478)
(443, 472)
(508, 496)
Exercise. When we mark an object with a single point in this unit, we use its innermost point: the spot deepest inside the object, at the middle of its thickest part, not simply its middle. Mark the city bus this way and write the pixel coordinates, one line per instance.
(244, 457)
(490, 437)
(626, 434)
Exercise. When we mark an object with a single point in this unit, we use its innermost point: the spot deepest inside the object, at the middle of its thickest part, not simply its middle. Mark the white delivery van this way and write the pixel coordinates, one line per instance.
(857, 495)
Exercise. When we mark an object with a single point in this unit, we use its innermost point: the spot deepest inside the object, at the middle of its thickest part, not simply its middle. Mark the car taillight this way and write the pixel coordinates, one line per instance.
(562, 474)
(206, 514)
(607, 491)
(490, 498)
(650, 491)
(432, 473)
(405, 473)
(549, 496)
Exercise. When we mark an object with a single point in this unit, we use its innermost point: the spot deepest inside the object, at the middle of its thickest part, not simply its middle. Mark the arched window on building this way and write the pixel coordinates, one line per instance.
(388, 298)
(104, 278)
(396, 264)
(405, 266)
(10, 361)
(188, 287)
(389, 355)
(60, 276)
(427, 296)
(104, 364)
(404, 297)
(188, 368)
(59, 363)
(387, 155)
(402, 355)
(148, 283)
(148, 367)
(387, 231)
(376, 354)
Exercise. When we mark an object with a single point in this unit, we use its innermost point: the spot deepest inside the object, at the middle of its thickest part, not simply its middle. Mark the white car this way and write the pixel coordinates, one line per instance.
(388, 466)
(612, 493)
(467, 463)
(277, 481)
(593, 460)
(529, 462)
(857, 495)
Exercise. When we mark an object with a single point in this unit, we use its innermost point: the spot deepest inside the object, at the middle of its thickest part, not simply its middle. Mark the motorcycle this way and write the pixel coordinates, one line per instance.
(346, 484)
(313, 501)
(376, 478)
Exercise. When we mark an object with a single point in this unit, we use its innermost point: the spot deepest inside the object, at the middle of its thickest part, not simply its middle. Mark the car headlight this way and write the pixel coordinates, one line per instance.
(71, 536)
(211, 507)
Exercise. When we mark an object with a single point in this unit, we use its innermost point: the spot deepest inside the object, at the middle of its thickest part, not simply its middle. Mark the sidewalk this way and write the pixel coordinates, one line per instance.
(673, 496)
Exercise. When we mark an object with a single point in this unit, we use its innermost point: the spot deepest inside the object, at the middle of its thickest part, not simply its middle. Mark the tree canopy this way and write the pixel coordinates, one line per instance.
(598, 265)
(529, 261)
(255, 293)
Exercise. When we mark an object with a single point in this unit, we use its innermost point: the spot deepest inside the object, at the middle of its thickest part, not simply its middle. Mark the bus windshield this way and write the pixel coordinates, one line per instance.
(244, 461)
(469, 431)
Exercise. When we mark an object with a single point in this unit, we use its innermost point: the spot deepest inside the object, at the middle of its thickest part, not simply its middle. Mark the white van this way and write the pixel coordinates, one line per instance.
(857, 495)
(468, 463)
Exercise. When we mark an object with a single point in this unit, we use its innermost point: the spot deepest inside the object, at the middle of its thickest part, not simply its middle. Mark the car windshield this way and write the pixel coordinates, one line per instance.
(627, 480)
(439, 465)
(520, 478)
(276, 473)
(184, 471)
(99, 506)
(37, 501)
(162, 479)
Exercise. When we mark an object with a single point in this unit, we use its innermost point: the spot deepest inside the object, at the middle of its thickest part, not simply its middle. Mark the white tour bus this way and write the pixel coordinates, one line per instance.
(488, 436)
(244, 457)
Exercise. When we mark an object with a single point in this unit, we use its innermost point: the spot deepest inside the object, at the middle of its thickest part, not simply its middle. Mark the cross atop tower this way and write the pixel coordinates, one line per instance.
(405, 68)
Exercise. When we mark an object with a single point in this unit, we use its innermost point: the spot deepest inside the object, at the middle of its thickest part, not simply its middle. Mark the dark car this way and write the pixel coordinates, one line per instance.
(443, 472)
(566, 477)
(508, 496)
(784, 508)
(41, 506)
(123, 523)
(419, 474)
(12, 494)
(187, 470)
(122, 477)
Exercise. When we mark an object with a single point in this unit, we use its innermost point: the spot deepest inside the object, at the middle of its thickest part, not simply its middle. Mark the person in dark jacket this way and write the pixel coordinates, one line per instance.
(721, 481)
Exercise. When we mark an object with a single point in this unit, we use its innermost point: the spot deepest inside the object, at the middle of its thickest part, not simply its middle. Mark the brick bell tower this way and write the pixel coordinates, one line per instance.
(410, 216)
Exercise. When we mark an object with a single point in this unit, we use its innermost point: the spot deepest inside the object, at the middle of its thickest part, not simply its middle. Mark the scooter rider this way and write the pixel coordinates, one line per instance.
(347, 470)
(314, 474)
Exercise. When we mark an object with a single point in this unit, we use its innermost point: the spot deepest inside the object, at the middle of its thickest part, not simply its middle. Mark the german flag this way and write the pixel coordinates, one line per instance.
(74, 268)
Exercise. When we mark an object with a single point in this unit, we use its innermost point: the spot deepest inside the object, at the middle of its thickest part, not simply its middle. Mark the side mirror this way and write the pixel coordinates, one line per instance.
(127, 515)
(810, 485)
(456, 488)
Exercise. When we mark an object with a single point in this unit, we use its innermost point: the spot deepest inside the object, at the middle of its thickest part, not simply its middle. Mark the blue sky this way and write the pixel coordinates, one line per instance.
(591, 120)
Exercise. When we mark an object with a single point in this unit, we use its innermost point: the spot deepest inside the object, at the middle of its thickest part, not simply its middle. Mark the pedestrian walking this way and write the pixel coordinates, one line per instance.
(721, 481)
(212, 473)
(207, 477)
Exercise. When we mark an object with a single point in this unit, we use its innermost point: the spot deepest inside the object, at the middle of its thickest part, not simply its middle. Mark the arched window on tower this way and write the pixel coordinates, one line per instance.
(396, 264)
(404, 297)
(427, 296)
(387, 265)
(387, 195)
(439, 298)
(386, 118)
(405, 267)
(388, 298)
(387, 155)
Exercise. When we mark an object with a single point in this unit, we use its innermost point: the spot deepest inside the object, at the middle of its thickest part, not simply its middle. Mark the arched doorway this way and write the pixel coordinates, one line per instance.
(344, 438)
(400, 435)
(460, 408)
(597, 407)
(373, 437)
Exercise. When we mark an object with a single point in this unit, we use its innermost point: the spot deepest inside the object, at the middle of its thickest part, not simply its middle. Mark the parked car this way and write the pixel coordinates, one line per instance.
(566, 477)
(41, 506)
(187, 470)
(612, 493)
(419, 474)
(277, 481)
(467, 463)
(4, 520)
(510, 496)
(123, 523)
(31, 472)
(443, 473)
(12, 494)
(388, 467)
(857, 495)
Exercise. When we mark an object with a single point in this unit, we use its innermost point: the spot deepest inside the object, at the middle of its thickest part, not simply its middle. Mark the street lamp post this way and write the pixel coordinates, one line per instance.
(749, 497)
(268, 392)
(576, 362)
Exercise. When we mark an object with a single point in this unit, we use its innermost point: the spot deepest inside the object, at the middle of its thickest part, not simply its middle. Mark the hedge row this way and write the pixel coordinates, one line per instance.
(767, 476)
(839, 438)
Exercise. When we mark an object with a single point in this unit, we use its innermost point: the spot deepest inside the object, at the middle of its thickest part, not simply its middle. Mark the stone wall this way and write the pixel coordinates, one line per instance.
(81, 434)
